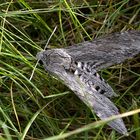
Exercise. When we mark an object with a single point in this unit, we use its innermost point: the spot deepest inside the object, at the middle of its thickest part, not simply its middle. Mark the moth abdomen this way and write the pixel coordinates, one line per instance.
(90, 77)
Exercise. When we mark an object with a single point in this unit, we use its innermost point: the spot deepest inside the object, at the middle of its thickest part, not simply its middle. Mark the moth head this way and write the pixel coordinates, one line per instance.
(54, 60)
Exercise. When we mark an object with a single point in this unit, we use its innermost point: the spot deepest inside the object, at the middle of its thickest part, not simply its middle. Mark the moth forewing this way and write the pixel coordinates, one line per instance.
(106, 51)
(100, 104)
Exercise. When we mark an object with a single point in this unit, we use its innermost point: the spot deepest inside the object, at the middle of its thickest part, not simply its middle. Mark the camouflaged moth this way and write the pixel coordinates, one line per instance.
(77, 67)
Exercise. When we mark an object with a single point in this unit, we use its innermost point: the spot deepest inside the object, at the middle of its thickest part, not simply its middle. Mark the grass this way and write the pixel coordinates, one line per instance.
(42, 107)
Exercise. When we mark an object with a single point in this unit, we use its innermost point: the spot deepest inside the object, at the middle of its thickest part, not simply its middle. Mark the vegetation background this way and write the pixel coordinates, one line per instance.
(37, 106)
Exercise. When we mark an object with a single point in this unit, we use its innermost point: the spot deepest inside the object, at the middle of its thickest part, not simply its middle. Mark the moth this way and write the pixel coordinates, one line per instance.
(78, 65)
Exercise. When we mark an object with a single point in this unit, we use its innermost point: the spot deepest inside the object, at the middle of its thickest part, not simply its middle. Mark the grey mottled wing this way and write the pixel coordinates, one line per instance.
(108, 50)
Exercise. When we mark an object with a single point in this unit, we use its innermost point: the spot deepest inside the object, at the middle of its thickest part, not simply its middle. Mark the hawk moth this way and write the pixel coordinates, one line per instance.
(78, 65)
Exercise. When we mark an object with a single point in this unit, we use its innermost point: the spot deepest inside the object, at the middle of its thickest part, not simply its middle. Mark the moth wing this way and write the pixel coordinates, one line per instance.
(101, 105)
(108, 50)
(104, 108)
